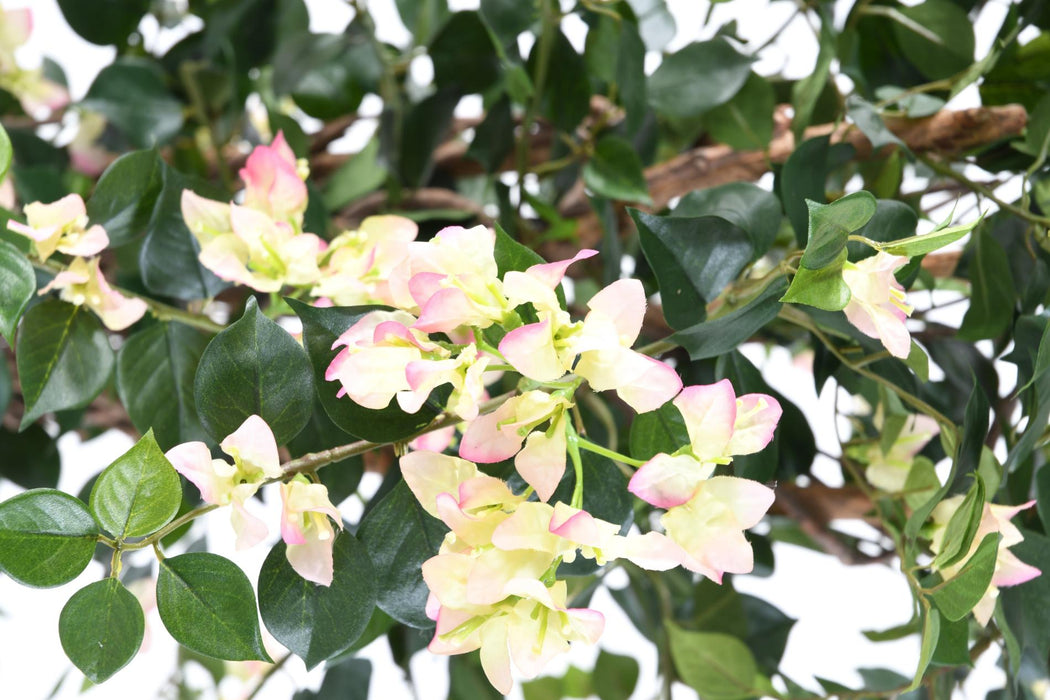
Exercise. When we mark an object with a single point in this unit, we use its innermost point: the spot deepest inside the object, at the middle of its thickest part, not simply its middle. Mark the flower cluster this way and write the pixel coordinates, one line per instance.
(33, 90)
(878, 303)
(62, 227)
(305, 525)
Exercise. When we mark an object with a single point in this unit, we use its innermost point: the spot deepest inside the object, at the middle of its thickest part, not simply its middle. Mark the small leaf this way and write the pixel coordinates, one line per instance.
(931, 629)
(615, 171)
(321, 327)
(717, 666)
(718, 336)
(47, 537)
(830, 226)
(101, 628)
(104, 21)
(567, 90)
(344, 680)
(400, 536)
(17, 285)
(694, 260)
(823, 288)
(746, 121)
(207, 604)
(957, 596)
(992, 300)
(511, 255)
(697, 78)
(868, 120)
(64, 358)
(806, 92)
(254, 367)
(936, 36)
(318, 622)
(494, 136)
(953, 644)
(662, 430)
(139, 493)
(615, 676)
(962, 527)
(464, 55)
(928, 242)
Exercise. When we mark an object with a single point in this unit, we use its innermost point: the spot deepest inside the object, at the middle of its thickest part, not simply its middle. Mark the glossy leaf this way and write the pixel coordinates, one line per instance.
(155, 372)
(892, 220)
(207, 604)
(30, 458)
(17, 285)
(694, 259)
(318, 622)
(494, 137)
(957, 596)
(992, 301)
(327, 75)
(46, 537)
(106, 21)
(750, 207)
(936, 36)
(101, 628)
(615, 676)
(345, 680)
(653, 432)
(717, 336)
(746, 121)
(803, 179)
(64, 358)
(321, 327)
(831, 224)
(125, 196)
(507, 18)
(867, 118)
(806, 92)
(566, 95)
(138, 493)
(464, 55)
(254, 367)
(615, 171)
(131, 94)
(823, 288)
(697, 78)
(400, 536)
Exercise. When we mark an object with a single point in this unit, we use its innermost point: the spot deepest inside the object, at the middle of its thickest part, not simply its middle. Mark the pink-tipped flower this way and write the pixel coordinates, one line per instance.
(273, 182)
(61, 226)
(889, 470)
(878, 303)
(359, 263)
(82, 284)
(254, 452)
(33, 90)
(306, 528)
(1009, 570)
(720, 426)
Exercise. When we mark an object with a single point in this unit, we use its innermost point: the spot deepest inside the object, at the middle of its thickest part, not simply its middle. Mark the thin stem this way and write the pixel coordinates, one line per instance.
(572, 440)
(605, 452)
(267, 675)
(947, 171)
(169, 528)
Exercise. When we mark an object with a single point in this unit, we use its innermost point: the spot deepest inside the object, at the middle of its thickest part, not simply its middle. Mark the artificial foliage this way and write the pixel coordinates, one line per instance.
(539, 324)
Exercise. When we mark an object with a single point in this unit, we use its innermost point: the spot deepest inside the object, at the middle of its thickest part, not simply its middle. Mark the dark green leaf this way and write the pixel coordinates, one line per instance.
(1024, 603)
(567, 91)
(802, 178)
(892, 220)
(507, 18)
(750, 207)
(953, 644)
(340, 478)
(423, 17)
(31, 458)
(767, 631)
(400, 536)
(358, 176)
(956, 597)
(831, 224)
(936, 36)
(615, 677)
(720, 335)
(318, 622)
(746, 121)
(694, 259)
(254, 368)
(467, 681)
(17, 285)
(494, 136)
(992, 300)
(321, 327)
(126, 194)
(655, 23)
(653, 432)
(615, 171)
(327, 74)
(806, 92)
(132, 95)
(346, 680)
(717, 666)
(511, 255)
(697, 78)
(64, 358)
(207, 604)
(46, 537)
(823, 288)
(101, 628)
(104, 21)
(931, 630)
(424, 128)
(463, 54)
(139, 493)
(155, 371)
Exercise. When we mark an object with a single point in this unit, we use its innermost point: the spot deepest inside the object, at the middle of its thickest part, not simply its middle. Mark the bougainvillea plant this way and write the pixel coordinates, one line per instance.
(542, 324)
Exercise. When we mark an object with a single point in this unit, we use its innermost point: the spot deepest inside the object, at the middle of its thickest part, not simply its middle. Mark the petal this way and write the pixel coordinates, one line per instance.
(205, 218)
(485, 442)
(446, 310)
(623, 302)
(193, 460)
(748, 500)
(92, 241)
(530, 350)
(312, 560)
(495, 657)
(528, 528)
(710, 413)
(756, 419)
(429, 474)
(1011, 571)
(657, 385)
(253, 442)
(250, 529)
(541, 463)
(666, 481)
(551, 274)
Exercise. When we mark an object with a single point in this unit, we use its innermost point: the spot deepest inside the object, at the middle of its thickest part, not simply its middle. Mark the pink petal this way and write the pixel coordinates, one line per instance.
(424, 285)
(656, 386)
(446, 310)
(254, 443)
(250, 530)
(1011, 571)
(530, 350)
(312, 560)
(92, 241)
(495, 657)
(757, 416)
(541, 463)
(710, 413)
(193, 461)
(666, 481)
(552, 273)
(429, 474)
(623, 301)
(484, 441)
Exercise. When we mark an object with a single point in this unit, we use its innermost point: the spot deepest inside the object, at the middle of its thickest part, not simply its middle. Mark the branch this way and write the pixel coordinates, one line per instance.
(415, 200)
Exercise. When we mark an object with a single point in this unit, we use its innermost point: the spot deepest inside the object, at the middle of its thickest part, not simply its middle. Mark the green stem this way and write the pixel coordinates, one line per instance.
(606, 452)
(169, 528)
(267, 675)
(947, 171)
(572, 440)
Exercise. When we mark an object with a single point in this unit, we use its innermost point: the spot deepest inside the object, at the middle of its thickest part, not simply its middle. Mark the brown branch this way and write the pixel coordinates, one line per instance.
(414, 200)
(814, 507)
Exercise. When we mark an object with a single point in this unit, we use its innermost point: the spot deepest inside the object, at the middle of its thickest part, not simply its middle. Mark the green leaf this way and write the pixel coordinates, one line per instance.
(463, 54)
(653, 432)
(746, 121)
(656, 24)
(467, 681)
(400, 536)
(750, 207)
(694, 259)
(131, 94)
(615, 676)
(155, 372)
(929, 242)
(64, 358)
(803, 178)
(318, 622)
(615, 171)
(567, 90)
(868, 120)
(508, 18)
(6, 153)
(104, 21)
(953, 644)
(511, 255)
(494, 136)
(423, 17)
(31, 458)
(830, 226)
(340, 478)
(358, 176)
(1024, 605)
(992, 299)
(936, 36)
(715, 337)
(17, 286)
(697, 78)
(767, 631)
(346, 680)
(931, 629)
(956, 597)
(46, 537)
(139, 493)
(823, 288)
(892, 220)
(424, 128)
(806, 92)
(101, 628)
(254, 367)
(327, 75)
(126, 194)
(962, 527)
(321, 327)
(717, 666)
(207, 604)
